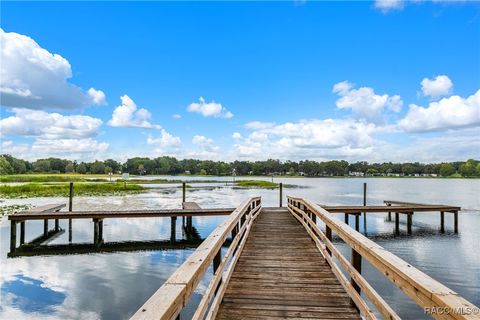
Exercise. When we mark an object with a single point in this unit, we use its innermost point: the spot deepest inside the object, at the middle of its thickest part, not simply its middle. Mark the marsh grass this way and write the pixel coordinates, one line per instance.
(62, 190)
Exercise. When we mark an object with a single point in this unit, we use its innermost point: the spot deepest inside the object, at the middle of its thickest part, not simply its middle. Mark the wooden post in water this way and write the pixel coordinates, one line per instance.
(397, 223)
(442, 222)
(346, 218)
(70, 208)
(13, 236)
(409, 222)
(100, 231)
(22, 232)
(57, 225)
(95, 231)
(173, 229)
(357, 222)
(455, 221)
(45, 227)
(364, 204)
(281, 194)
(389, 213)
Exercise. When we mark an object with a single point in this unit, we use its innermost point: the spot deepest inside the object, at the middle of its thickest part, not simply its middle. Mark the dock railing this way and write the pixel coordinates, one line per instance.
(437, 300)
(170, 299)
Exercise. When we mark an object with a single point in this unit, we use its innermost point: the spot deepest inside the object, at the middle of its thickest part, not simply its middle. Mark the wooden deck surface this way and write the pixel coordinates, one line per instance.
(282, 275)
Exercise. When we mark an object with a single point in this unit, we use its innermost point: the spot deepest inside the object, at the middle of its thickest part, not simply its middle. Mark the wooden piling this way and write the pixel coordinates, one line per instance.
(397, 223)
(357, 222)
(455, 221)
(173, 229)
(45, 227)
(364, 204)
(100, 231)
(409, 222)
(442, 221)
(70, 208)
(22, 232)
(281, 194)
(389, 213)
(13, 236)
(95, 231)
(346, 218)
(57, 225)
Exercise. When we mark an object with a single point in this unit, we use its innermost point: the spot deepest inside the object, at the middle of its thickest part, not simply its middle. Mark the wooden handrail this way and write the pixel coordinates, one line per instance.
(169, 300)
(424, 290)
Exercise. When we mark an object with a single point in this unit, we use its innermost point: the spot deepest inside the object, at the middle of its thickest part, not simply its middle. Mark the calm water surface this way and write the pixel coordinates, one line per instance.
(114, 285)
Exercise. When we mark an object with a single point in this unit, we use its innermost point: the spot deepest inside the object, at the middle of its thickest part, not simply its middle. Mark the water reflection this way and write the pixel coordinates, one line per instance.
(113, 284)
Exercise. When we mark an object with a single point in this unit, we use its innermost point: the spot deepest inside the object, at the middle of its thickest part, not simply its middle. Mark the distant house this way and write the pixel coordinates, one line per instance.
(356, 173)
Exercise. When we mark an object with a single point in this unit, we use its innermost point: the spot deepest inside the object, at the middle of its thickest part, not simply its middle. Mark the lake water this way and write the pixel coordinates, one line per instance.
(114, 285)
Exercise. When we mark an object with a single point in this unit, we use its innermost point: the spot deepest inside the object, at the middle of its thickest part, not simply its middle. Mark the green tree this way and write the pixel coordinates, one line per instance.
(446, 169)
(82, 168)
(69, 168)
(97, 167)
(5, 166)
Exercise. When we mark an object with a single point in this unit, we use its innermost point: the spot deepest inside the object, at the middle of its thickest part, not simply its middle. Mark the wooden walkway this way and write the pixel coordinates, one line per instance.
(282, 275)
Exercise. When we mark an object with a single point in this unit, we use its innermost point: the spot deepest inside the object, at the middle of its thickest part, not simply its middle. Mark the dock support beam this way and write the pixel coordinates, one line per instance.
(173, 227)
(57, 225)
(70, 208)
(442, 221)
(389, 213)
(455, 221)
(357, 221)
(13, 236)
(409, 222)
(97, 231)
(364, 204)
(281, 194)
(22, 232)
(397, 223)
(45, 227)
(346, 218)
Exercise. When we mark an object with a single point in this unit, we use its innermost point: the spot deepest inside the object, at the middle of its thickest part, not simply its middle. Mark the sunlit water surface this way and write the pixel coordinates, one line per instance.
(115, 285)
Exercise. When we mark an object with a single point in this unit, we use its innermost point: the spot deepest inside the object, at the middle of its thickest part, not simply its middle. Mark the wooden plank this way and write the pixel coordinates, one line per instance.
(33, 215)
(190, 206)
(281, 277)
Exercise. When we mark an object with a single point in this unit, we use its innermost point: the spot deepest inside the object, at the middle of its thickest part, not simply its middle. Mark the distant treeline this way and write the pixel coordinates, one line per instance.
(172, 166)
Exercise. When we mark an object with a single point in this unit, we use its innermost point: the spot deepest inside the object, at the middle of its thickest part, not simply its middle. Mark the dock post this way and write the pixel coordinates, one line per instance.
(328, 234)
(281, 194)
(45, 227)
(346, 218)
(397, 223)
(184, 191)
(173, 229)
(22, 232)
(216, 263)
(100, 231)
(442, 221)
(364, 204)
(13, 236)
(409, 222)
(357, 222)
(57, 225)
(95, 231)
(357, 264)
(455, 221)
(389, 213)
(70, 208)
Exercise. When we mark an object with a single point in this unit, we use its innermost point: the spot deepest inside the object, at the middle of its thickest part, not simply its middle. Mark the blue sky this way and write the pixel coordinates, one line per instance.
(376, 81)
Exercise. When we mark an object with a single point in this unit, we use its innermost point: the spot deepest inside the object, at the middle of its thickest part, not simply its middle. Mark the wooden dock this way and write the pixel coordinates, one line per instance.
(282, 264)
(281, 275)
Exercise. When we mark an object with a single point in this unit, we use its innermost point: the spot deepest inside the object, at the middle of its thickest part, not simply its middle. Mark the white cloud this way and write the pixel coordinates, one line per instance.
(209, 109)
(448, 113)
(34, 78)
(127, 115)
(237, 136)
(37, 123)
(315, 139)
(98, 96)
(389, 5)
(165, 140)
(365, 103)
(176, 116)
(64, 147)
(202, 140)
(440, 86)
(259, 125)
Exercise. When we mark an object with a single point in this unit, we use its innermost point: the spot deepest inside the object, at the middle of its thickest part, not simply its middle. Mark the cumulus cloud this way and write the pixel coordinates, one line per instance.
(449, 113)
(314, 139)
(176, 116)
(237, 136)
(206, 148)
(209, 109)
(165, 140)
(34, 78)
(127, 115)
(440, 86)
(365, 103)
(388, 5)
(202, 140)
(37, 123)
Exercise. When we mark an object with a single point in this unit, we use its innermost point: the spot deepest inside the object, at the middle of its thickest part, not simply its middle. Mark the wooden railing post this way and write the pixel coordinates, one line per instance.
(357, 264)
(328, 234)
